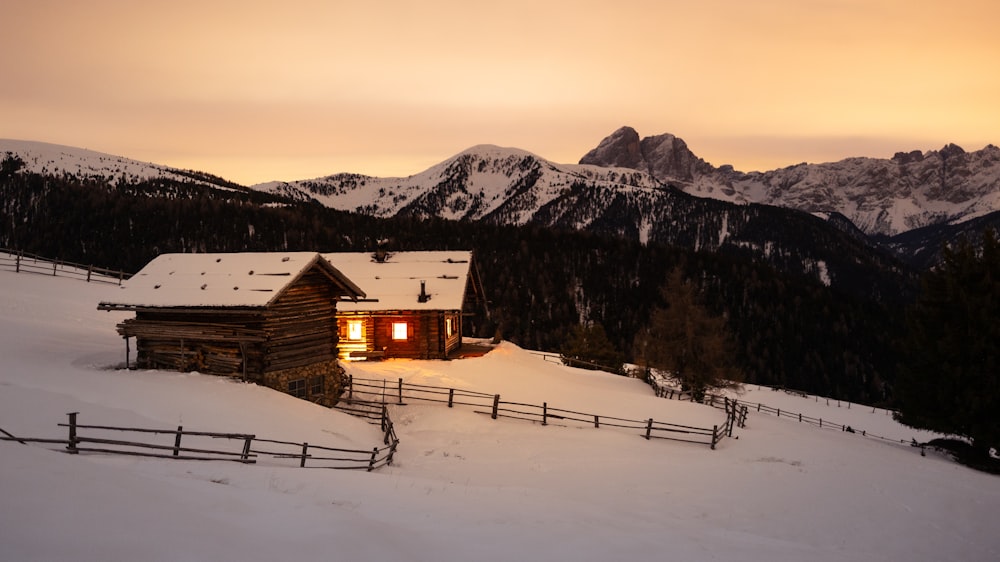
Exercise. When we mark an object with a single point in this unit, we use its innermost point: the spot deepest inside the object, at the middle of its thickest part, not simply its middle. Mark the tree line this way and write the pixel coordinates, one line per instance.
(541, 283)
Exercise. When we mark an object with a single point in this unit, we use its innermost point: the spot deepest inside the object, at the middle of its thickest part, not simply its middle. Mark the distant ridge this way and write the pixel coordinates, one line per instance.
(881, 196)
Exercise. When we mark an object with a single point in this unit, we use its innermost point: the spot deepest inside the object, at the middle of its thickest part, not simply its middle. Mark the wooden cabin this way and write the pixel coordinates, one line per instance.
(267, 318)
(417, 303)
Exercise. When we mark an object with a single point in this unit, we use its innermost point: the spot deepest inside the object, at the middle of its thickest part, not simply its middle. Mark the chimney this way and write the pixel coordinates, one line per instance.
(423, 296)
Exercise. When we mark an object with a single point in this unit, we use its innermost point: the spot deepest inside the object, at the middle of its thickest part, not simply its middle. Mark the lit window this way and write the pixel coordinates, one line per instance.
(355, 329)
(449, 326)
(399, 330)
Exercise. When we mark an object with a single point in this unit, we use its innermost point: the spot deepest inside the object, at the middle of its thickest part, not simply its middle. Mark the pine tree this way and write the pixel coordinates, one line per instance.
(10, 164)
(588, 345)
(949, 381)
(685, 340)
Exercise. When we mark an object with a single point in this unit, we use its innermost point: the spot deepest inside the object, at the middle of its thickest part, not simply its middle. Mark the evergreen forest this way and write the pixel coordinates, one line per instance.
(542, 284)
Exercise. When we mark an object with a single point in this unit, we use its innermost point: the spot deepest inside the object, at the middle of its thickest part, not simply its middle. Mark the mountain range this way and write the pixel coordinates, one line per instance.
(652, 189)
(880, 196)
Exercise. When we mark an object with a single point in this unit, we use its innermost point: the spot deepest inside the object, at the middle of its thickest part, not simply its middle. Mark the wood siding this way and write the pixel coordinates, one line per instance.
(427, 336)
(296, 330)
(300, 324)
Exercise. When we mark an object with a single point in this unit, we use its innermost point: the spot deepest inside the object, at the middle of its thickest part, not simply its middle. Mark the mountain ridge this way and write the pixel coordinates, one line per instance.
(629, 186)
(881, 196)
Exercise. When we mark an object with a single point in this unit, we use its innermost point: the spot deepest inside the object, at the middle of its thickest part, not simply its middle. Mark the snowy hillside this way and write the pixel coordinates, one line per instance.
(463, 486)
(58, 160)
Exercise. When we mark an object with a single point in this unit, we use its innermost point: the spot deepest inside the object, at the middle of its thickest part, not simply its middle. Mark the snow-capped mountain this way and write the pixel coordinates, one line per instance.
(485, 182)
(510, 186)
(880, 196)
(651, 189)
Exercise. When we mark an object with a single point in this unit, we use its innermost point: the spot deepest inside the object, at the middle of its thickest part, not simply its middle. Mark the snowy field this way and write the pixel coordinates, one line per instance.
(463, 486)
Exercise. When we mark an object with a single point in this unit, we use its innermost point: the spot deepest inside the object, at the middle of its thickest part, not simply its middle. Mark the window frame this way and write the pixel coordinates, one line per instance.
(399, 330)
(355, 330)
(316, 385)
(297, 388)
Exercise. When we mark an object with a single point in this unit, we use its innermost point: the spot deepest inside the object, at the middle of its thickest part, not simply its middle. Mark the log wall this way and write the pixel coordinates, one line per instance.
(426, 334)
(294, 337)
(301, 325)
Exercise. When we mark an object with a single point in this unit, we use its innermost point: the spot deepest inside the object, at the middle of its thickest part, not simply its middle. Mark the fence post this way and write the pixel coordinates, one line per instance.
(17, 263)
(400, 391)
(649, 428)
(127, 352)
(545, 413)
(715, 436)
(305, 449)
(451, 397)
(55, 264)
(597, 422)
(177, 440)
(90, 269)
(371, 463)
(392, 451)
(388, 432)
(350, 388)
(246, 448)
(71, 446)
(496, 405)
(800, 418)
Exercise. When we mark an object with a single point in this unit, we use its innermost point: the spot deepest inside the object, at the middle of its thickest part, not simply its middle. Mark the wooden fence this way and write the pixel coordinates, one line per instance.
(381, 391)
(20, 262)
(664, 390)
(181, 444)
(574, 362)
(820, 422)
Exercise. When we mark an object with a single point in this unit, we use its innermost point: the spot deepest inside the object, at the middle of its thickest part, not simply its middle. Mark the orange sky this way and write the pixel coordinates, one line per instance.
(294, 89)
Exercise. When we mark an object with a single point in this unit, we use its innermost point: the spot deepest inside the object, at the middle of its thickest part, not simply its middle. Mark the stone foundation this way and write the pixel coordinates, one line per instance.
(321, 383)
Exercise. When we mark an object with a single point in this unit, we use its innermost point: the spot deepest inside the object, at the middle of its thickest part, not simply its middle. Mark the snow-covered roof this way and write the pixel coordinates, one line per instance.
(395, 282)
(251, 279)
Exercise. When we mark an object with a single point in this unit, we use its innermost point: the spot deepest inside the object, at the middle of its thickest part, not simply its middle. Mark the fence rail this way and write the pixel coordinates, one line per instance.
(575, 362)
(663, 389)
(249, 450)
(362, 390)
(21, 262)
(820, 422)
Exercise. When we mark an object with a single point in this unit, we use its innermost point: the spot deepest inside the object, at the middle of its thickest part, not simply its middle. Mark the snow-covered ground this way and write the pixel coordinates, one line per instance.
(463, 486)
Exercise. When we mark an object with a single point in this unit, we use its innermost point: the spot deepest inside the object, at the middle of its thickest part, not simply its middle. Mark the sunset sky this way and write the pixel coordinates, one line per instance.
(294, 89)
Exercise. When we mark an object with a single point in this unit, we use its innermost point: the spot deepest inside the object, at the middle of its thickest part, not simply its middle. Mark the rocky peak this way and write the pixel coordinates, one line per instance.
(665, 157)
(908, 157)
(951, 150)
(668, 157)
(620, 149)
